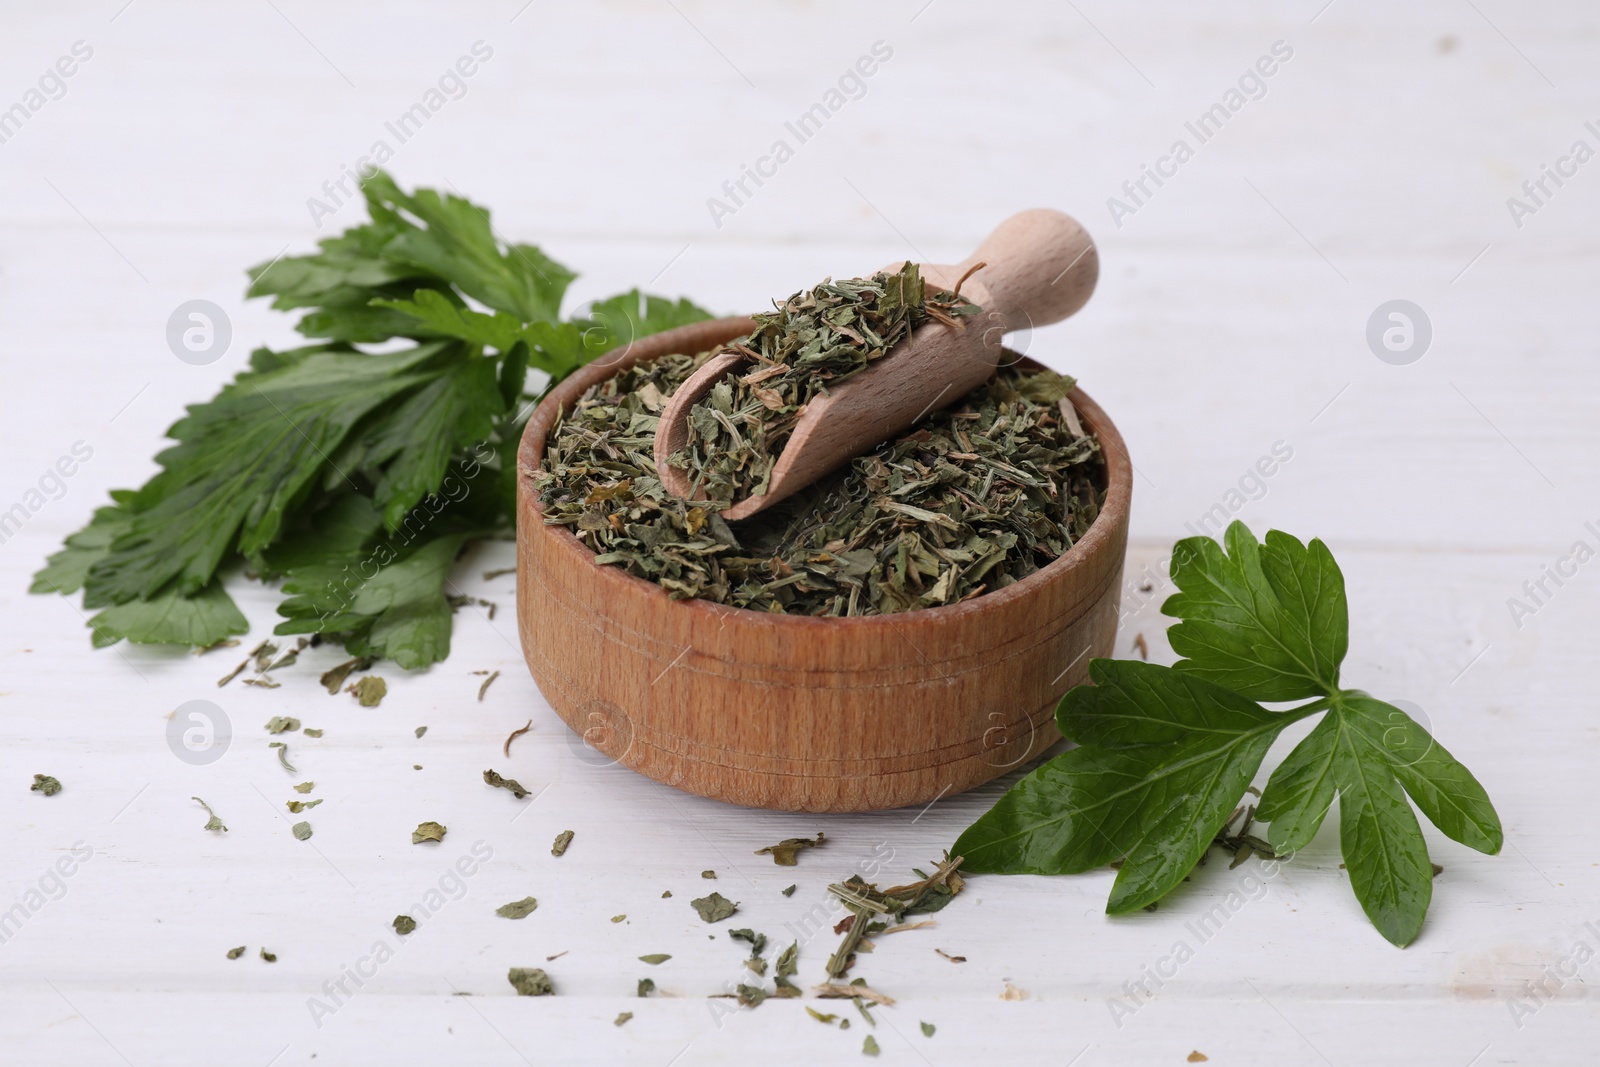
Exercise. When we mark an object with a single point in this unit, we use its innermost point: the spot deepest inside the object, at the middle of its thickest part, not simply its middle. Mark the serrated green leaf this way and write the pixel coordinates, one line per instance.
(1186, 750)
(458, 243)
(417, 441)
(1436, 781)
(65, 571)
(626, 317)
(347, 264)
(339, 530)
(1301, 790)
(356, 318)
(1268, 621)
(1384, 851)
(396, 609)
(170, 618)
(448, 318)
(241, 460)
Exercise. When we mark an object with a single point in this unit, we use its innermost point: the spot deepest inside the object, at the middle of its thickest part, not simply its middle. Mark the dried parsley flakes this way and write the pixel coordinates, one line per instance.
(511, 785)
(655, 959)
(563, 839)
(333, 679)
(283, 755)
(971, 499)
(427, 831)
(369, 691)
(517, 909)
(43, 783)
(714, 908)
(784, 852)
(302, 831)
(530, 982)
(404, 924)
(213, 824)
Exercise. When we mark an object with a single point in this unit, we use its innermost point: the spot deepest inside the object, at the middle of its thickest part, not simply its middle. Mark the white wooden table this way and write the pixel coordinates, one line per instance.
(1375, 165)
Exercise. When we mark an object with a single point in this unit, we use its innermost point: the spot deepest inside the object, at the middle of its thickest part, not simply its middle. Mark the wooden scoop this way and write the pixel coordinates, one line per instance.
(1037, 267)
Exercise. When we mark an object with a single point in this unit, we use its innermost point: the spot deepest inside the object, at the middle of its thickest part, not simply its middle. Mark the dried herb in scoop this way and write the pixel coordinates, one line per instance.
(971, 499)
(816, 339)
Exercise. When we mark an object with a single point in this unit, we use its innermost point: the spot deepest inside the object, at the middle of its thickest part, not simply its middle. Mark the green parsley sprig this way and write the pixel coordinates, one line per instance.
(356, 467)
(1165, 753)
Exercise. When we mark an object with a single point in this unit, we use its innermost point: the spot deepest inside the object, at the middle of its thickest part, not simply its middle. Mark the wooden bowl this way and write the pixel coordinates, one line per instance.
(800, 713)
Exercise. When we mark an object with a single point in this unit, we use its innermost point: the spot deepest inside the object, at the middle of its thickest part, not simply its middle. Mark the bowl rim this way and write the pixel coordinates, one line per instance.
(699, 336)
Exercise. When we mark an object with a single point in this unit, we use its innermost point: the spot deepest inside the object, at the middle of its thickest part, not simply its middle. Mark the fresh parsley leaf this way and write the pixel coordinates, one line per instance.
(169, 618)
(417, 442)
(240, 462)
(1382, 844)
(1438, 784)
(1165, 753)
(457, 242)
(65, 571)
(1162, 759)
(1267, 621)
(401, 612)
(354, 473)
(1301, 790)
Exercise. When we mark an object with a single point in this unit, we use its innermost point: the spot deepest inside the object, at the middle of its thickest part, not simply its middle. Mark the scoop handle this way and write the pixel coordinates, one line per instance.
(1039, 267)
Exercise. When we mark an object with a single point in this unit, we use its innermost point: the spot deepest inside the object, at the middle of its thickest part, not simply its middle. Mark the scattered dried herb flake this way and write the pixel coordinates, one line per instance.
(43, 783)
(283, 755)
(427, 831)
(510, 785)
(563, 839)
(235, 953)
(404, 924)
(714, 908)
(333, 679)
(530, 981)
(213, 824)
(784, 852)
(369, 691)
(517, 909)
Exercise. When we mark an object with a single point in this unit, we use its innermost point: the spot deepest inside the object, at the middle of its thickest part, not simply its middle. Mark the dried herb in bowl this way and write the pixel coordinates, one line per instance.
(971, 499)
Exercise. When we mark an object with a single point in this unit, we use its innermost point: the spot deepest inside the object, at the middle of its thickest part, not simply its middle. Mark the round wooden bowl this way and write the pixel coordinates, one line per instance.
(800, 713)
